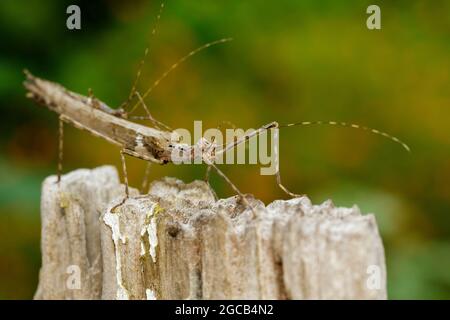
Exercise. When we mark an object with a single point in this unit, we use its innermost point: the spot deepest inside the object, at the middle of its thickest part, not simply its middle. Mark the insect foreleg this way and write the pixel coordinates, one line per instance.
(277, 166)
(272, 125)
(246, 137)
(232, 185)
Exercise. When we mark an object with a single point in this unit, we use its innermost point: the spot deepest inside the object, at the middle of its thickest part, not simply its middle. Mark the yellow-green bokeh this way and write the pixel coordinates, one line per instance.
(290, 60)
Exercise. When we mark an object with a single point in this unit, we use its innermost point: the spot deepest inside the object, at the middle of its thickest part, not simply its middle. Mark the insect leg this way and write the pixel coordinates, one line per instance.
(125, 174)
(277, 166)
(272, 125)
(244, 199)
(156, 123)
(207, 174)
(60, 147)
(176, 64)
(145, 179)
(125, 177)
(247, 137)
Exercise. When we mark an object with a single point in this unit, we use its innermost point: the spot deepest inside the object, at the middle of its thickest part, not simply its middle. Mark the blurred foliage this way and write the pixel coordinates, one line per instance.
(290, 60)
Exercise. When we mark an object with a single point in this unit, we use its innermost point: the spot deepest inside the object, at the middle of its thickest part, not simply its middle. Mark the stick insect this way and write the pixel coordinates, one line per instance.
(153, 144)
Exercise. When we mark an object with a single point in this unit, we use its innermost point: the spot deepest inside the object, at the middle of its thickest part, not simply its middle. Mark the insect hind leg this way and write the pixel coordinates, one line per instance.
(125, 177)
(60, 148)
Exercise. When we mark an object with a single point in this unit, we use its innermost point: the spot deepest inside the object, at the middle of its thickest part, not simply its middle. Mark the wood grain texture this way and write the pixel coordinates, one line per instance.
(71, 231)
(177, 242)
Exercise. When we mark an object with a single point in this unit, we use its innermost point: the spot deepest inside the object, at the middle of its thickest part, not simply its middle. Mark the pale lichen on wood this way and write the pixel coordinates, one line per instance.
(71, 231)
(177, 242)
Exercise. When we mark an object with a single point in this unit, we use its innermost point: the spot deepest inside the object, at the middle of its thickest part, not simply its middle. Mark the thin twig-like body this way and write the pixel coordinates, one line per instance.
(150, 144)
(100, 120)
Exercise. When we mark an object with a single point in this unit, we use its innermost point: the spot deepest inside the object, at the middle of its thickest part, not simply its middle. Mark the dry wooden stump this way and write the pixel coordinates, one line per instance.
(177, 242)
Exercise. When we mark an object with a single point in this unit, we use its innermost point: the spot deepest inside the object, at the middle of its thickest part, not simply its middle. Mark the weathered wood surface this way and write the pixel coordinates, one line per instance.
(178, 243)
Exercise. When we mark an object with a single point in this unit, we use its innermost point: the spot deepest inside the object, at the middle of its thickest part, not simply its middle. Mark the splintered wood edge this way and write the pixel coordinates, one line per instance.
(176, 220)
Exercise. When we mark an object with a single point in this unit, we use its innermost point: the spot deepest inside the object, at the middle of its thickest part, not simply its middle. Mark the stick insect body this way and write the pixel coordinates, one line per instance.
(154, 145)
(136, 140)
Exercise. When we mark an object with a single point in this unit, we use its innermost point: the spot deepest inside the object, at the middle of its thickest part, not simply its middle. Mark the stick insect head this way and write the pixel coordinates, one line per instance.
(203, 150)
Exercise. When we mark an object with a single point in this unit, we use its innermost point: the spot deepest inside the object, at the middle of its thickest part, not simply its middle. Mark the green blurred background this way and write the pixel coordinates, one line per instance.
(290, 60)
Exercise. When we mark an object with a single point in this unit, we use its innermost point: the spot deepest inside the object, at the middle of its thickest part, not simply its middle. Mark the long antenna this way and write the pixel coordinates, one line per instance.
(176, 64)
(350, 125)
(142, 62)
